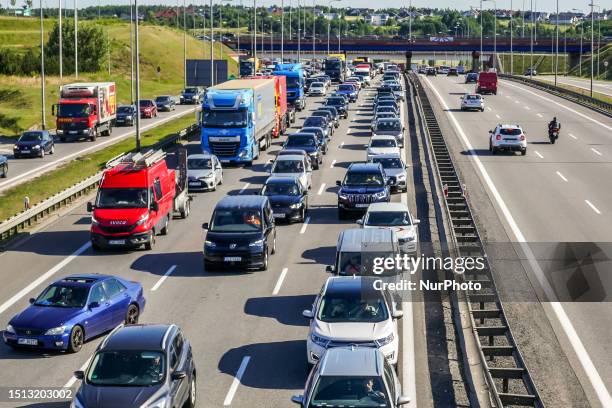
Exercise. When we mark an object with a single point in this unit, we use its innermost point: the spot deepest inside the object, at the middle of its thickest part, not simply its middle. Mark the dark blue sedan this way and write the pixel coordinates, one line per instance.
(349, 90)
(288, 198)
(34, 143)
(75, 309)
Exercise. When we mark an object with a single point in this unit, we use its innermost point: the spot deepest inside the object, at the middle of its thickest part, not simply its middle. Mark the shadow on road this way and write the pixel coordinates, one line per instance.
(284, 309)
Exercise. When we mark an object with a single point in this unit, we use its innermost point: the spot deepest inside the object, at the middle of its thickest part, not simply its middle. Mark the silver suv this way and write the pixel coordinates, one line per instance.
(352, 377)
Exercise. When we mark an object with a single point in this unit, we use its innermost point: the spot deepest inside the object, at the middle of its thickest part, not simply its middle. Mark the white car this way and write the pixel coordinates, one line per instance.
(204, 172)
(344, 313)
(354, 80)
(293, 166)
(443, 69)
(472, 101)
(397, 217)
(508, 137)
(382, 144)
(317, 88)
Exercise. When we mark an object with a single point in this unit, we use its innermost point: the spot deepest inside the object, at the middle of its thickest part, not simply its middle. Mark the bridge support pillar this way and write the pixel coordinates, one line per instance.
(475, 61)
(573, 60)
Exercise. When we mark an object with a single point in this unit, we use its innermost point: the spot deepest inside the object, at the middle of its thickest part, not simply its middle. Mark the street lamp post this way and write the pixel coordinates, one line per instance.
(329, 21)
(282, 31)
(42, 70)
(184, 44)
(581, 34)
(410, 22)
(76, 41)
(481, 30)
(531, 41)
(131, 54)
(592, 5)
(511, 48)
(60, 40)
(494, 33)
(299, 35)
(557, 43)
(212, 46)
(137, 63)
(314, 29)
(254, 44)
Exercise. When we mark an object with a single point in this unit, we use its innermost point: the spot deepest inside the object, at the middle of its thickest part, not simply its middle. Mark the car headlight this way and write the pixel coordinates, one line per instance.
(342, 196)
(257, 243)
(142, 219)
(128, 117)
(319, 341)
(295, 206)
(401, 177)
(381, 194)
(210, 244)
(385, 340)
(10, 329)
(94, 220)
(76, 403)
(162, 402)
(15, 147)
(208, 176)
(243, 153)
(55, 331)
(36, 147)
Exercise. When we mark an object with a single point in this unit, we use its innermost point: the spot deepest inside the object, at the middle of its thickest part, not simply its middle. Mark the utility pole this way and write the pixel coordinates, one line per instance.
(410, 22)
(212, 47)
(481, 30)
(290, 22)
(238, 30)
(511, 49)
(254, 51)
(557, 44)
(42, 70)
(76, 41)
(282, 31)
(131, 54)
(299, 33)
(109, 52)
(314, 29)
(59, 14)
(184, 44)
(137, 59)
(531, 42)
(592, 41)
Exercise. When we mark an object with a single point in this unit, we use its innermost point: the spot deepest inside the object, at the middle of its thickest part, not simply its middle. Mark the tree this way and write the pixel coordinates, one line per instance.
(92, 48)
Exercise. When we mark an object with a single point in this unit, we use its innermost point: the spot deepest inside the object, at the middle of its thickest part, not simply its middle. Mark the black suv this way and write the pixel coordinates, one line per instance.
(141, 365)
(339, 103)
(363, 184)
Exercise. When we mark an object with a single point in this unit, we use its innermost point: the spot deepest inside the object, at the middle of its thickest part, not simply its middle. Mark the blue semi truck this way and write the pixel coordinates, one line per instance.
(238, 118)
(295, 83)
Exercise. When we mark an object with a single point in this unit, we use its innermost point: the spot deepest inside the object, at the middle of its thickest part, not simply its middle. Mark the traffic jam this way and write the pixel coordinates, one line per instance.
(268, 137)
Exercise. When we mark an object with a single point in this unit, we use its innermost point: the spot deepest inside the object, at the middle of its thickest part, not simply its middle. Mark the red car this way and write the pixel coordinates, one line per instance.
(148, 108)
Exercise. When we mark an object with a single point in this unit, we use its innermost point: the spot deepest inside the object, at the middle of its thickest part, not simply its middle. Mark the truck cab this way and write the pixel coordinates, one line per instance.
(295, 83)
(336, 69)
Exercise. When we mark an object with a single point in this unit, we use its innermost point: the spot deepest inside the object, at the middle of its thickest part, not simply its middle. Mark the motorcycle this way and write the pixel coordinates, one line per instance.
(553, 134)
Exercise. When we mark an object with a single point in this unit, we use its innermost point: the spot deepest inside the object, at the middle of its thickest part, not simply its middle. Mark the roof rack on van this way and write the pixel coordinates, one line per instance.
(138, 159)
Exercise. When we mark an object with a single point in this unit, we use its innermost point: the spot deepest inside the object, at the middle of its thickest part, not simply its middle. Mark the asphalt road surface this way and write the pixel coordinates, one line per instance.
(226, 316)
(556, 193)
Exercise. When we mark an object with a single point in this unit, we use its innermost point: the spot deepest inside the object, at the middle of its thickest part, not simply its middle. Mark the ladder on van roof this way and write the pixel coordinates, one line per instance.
(138, 159)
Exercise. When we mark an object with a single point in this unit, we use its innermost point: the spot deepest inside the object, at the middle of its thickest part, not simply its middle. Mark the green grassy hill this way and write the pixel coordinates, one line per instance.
(159, 47)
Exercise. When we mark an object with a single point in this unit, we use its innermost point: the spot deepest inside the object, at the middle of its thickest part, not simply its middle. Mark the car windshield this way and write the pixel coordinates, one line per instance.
(31, 137)
(385, 109)
(315, 131)
(162, 98)
(293, 82)
(345, 88)
(294, 141)
(288, 166)
(387, 125)
(383, 143)
(190, 90)
(472, 97)
(317, 85)
(63, 296)
(235, 221)
(127, 368)
(364, 179)
(357, 307)
(224, 118)
(334, 101)
(122, 198)
(124, 109)
(199, 164)
(389, 162)
(315, 121)
(78, 110)
(385, 115)
(146, 103)
(510, 132)
(387, 218)
(358, 392)
(288, 189)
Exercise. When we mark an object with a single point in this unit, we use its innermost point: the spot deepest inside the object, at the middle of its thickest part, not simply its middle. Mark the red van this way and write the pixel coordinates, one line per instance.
(487, 83)
(135, 201)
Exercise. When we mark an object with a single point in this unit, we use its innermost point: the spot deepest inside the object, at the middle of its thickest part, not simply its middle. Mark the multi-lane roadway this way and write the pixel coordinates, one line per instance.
(603, 87)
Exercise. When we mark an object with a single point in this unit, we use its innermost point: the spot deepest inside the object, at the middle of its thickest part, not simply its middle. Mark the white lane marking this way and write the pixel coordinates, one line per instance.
(590, 204)
(73, 379)
(489, 109)
(564, 320)
(305, 225)
(516, 101)
(40, 169)
(562, 176)
(321, 189)
(279, 282)
(540, 115)
(538, 154)
(497, 116)
(163, 278)
(234, 387)
(572, 136)
(527, 107)
(524, 89)
(244, 188)
(507, 96)
(331, 166)
(596, 151)
(44, 277)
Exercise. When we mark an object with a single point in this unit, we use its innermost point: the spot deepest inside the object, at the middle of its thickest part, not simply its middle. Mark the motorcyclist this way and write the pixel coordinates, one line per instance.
(552, 125)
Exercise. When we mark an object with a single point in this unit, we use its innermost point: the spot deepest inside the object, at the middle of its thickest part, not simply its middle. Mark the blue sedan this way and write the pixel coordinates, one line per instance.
(349, 90)
(73, 310)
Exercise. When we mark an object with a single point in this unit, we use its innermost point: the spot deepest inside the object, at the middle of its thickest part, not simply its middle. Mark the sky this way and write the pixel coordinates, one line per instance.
(542, 5)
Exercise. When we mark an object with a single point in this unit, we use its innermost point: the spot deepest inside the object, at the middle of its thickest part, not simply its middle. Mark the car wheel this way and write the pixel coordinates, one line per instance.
(63, 139)
(493, 150)
(42, 152)
(186, 210)
(95, 246)
(52, 151)
(221, 179)
(151, 242)
(264, 267)
(132, 315)
(191, 401)
(76, 339)
(273, 246)
(341, 214)
(523, 152)
(166, 228)
(5, 171)
(490, 146)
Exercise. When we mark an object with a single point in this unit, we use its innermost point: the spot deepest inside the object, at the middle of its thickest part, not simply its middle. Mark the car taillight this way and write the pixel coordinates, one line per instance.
(498, 137)
(522, 137)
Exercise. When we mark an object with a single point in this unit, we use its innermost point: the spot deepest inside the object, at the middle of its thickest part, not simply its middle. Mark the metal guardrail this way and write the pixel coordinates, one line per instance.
(509, 380)
(27, 218)
(584, 100)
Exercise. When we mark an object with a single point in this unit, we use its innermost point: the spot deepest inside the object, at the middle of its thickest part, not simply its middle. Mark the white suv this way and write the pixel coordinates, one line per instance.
(397, 217)
(382, 144)
(508, 137)
(347, 311)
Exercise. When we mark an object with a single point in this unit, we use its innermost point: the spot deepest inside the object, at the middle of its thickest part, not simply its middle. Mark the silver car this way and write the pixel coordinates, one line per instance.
(390, 127)
(472, 101)
(381, 115)
(293, 166)
(394, 167)
(204, 172)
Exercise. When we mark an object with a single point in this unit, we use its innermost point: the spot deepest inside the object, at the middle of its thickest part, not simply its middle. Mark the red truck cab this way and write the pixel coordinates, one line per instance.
(282, 114)
(487, 83)
(134, 202)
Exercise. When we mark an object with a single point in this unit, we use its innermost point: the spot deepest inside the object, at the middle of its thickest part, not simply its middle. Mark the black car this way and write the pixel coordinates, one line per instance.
(3, 166)
(471, 77)
(126, 115)
(289, 199)
(165, 103)
(328, 115)
(318, 121)
(321, 136)
(340, 103)
(141, 365)
(241, 233)
(34, 143)
(453, 72)
(334, 113)
(363, 184)
(191, 95)
(307, 142)
(431, 71)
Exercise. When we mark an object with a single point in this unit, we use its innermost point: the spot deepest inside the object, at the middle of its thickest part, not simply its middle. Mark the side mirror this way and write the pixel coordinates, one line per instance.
(93, 305)
(32, 300)
(403, 400)
(154, 206)
(490, 131)
(307, 314)
(297, 399)
(205, 226)
(398, 314)
(179, 375)
(79, 375)
(360, 221)
(330, 268)
(90, 207)
(338, 183)
(416, 221)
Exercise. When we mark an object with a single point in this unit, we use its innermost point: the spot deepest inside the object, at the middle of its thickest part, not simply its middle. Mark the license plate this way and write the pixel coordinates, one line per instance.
(117, 242)
(73, 132)
(27, 342)
(362, 205)
(195, 183)
(232, 259)
(224, 160)
(278, 215)
(25, 151)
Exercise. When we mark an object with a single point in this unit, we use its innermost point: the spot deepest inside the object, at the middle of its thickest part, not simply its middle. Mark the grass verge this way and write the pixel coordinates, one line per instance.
(41, 188)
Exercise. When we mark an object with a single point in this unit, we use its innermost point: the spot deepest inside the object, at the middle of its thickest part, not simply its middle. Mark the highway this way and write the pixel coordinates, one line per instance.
(556, 193)
(603, 87)
(233, 319)
(24, 169)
